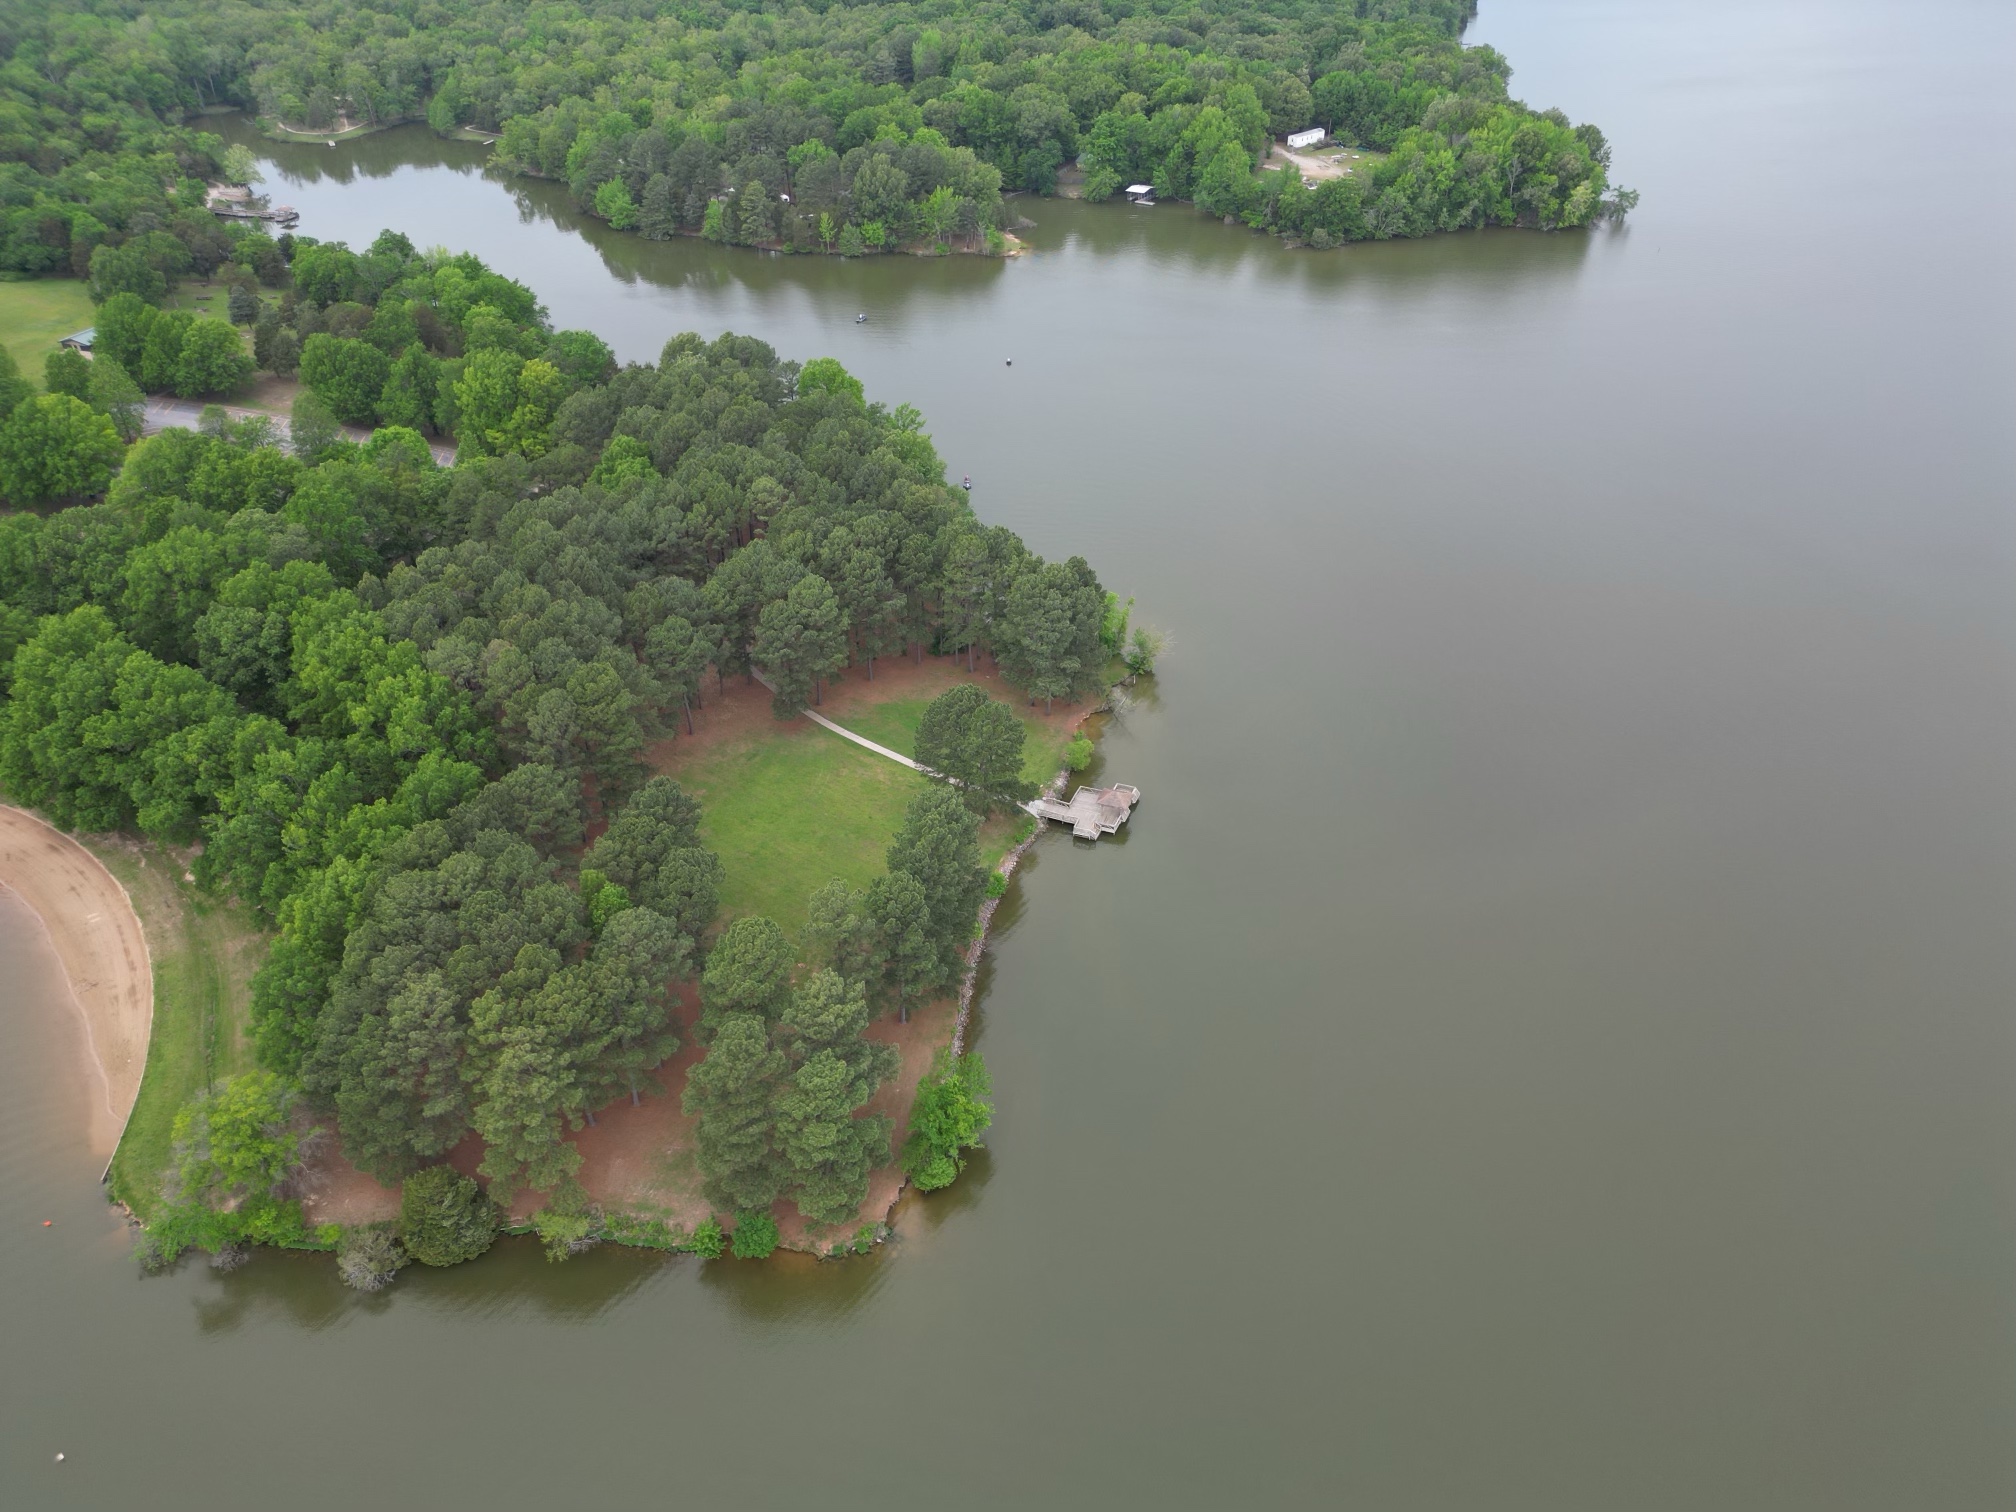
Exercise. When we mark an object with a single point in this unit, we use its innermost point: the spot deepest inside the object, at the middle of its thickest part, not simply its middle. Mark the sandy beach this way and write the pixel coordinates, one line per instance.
(96, 935)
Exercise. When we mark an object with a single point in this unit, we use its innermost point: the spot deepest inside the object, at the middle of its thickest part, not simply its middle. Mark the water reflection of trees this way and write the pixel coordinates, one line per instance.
(1179, 237)
(376, 156)
(1172, 236)
(514, 1278)
(894, 287)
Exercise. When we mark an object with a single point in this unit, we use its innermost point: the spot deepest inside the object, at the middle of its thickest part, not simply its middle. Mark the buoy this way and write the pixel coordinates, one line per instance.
(48, 1223)
(859, 319)
(1011, 362)
(59, 1459)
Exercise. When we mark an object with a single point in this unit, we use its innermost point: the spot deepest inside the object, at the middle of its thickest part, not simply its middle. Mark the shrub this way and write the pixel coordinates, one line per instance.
(949, 1116)
(1078, 754)
(708, 1241)
(565, 1232)
(997, 884)
(67, 371)
(445, 1218)
(368, 1258)
(755, 1236)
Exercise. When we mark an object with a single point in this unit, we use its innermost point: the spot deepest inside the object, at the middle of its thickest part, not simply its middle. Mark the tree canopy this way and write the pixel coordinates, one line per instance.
(847, 129)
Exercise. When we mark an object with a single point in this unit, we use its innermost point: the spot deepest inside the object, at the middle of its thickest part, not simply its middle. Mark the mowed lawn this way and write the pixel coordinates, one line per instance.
(790, 807)
(204, 952)
(35, 315)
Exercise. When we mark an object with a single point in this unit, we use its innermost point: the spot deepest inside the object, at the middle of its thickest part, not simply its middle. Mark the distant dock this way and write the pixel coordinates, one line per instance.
(235, 202)
(279, 215)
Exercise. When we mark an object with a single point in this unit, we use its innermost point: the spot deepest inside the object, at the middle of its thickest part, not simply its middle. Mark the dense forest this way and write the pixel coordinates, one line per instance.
(392, 700)
(842, 128)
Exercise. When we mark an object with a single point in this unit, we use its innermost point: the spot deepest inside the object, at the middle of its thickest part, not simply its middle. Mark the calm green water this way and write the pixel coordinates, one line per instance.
(1547, 1042)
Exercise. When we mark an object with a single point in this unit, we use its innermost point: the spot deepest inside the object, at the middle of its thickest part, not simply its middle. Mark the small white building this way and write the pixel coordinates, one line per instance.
(1309, 138)
(1141, 194)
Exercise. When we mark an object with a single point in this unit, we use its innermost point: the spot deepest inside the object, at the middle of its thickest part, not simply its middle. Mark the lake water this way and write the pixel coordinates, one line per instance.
(1547, 1040)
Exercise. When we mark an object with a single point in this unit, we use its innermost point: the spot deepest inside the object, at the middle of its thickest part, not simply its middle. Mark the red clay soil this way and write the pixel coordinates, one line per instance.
(741, 710)
(899, 677)
(335, 1191)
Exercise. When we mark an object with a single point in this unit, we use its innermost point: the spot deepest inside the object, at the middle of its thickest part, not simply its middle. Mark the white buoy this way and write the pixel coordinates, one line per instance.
(1011, 362)
(59, 1459)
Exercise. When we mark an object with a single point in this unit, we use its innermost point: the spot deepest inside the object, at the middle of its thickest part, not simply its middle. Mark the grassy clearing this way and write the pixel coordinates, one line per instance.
(788, 806)
(788, 809)
(35, 315)
(204, 952)
(199, 296)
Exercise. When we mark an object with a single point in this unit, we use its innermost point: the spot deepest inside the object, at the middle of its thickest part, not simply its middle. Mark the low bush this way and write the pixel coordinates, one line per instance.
(755, 1236)
(445, 1217)
(368, 1258)
(950, 1114)
(708, 1242)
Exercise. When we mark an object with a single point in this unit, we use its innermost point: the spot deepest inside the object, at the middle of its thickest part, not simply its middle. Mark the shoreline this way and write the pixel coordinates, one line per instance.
(89, 920)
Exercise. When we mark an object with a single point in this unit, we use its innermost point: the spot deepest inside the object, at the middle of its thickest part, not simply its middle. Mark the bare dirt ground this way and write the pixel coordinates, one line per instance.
(640, 1159)
(97, 936)
(733, 711)
(1323, 163)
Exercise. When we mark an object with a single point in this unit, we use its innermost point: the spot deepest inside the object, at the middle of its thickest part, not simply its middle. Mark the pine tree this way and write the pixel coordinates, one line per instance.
(677, 653)
(872, 605)
(633, 966)
(652, 850)
(906, 951)
(825, 1151)
(840, 933)
(800, 641)
(939, 845)
(731, 1092)
(753, 214)
(748, 972)
(658, 218)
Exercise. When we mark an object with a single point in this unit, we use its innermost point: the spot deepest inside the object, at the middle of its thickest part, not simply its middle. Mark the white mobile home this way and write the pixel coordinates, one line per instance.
(1307, 138)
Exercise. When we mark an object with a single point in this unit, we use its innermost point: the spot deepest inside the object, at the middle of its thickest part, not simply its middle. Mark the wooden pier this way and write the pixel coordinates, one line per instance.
(1092, 812)
(277, 214)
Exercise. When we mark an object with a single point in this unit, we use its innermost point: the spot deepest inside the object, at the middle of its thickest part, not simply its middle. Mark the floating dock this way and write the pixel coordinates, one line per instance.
(1092, 812)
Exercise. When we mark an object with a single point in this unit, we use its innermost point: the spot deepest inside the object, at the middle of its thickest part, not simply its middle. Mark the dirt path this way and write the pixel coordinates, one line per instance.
(96, 935)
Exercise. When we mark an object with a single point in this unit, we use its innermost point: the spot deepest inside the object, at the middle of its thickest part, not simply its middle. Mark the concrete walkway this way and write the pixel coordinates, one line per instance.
(862, 740)
(845, 734)
(1035, 809)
